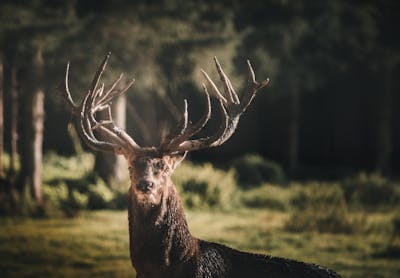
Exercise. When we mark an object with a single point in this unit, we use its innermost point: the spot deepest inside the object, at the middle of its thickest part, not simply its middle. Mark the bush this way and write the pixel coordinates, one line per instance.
(322, 208)
(252, 170)
(99, 195)
(267, 196)
(15, 203)
(371, 191)
(60, 197)
(120, 200)
(205, 186)
(54, 195)
(57, 167)
(74, 203)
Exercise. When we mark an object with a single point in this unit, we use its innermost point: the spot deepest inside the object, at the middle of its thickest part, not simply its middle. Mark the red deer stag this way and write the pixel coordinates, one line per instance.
(160, 242)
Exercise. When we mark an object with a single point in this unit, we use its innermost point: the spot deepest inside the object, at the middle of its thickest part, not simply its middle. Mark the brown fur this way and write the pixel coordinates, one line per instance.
(162, 246)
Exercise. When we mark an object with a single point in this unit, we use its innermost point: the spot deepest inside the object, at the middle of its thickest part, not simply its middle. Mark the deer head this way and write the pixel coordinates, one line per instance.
(151, 167)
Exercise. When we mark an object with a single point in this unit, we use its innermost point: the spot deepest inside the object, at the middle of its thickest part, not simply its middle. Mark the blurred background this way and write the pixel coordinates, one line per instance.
(317, 152)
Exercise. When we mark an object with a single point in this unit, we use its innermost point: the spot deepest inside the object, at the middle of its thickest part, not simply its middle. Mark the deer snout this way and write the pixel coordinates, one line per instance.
(144, 185)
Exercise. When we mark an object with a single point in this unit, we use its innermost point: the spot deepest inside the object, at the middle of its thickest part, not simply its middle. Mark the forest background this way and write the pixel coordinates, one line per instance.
(326, 124)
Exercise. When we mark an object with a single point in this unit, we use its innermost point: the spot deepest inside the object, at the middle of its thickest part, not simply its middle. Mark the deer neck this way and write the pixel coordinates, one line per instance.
(160, 238)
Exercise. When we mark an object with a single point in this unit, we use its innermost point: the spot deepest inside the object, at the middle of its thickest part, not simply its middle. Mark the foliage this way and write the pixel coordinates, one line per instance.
(164, 45)
(57, 167)
(120, 200)
(269, 196)
(323, 208)
(99, 195)
(20, 204)
(205, 186)
(253, 169)
(371, 191)
(74, 203)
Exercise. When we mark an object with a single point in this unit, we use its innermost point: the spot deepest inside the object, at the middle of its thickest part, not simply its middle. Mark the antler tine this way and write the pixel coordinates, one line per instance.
(194, 129)
(114, 93)
(87, 133)
(102, 96)
(231, 110)
(212, 141)
(253, 87)
(171, 138)
(172, 142)
(226, 84)
(98, 93)
(214, 88)
(115, 83)
(99, 72)
(67, 94)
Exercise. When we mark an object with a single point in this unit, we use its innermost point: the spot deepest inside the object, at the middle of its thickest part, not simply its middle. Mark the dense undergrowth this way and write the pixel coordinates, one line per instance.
(69, 187)
(251, 206)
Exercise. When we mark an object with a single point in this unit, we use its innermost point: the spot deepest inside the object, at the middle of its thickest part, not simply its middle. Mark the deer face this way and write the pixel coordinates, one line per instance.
(150, 176)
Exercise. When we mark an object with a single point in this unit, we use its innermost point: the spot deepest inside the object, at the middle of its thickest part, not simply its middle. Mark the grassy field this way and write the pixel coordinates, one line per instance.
(344, 225)
(95, 244)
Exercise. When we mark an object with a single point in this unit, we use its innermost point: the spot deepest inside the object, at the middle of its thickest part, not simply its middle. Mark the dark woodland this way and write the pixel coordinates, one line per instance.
(315, 157)
(332, 104)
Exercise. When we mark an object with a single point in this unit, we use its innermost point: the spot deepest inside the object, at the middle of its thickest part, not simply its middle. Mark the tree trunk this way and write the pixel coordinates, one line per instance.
(384, 142)
(38, 126)
(31, 168)
(119, 114)
(14, 119)
(112, 168)
(1, 117)
(294, 126)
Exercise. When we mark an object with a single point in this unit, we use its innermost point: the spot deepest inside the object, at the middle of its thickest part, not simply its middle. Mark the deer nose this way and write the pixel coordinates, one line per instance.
(144, 185)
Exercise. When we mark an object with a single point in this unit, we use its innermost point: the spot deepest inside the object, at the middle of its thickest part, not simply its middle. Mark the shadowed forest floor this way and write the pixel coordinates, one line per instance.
(95, 244)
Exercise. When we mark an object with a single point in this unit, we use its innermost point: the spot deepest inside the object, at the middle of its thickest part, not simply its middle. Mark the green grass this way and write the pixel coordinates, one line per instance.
(255, 219)
(95, 244)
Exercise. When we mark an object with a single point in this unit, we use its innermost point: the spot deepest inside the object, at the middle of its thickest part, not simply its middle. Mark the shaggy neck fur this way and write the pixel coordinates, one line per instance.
(160, 241)
(162, 246)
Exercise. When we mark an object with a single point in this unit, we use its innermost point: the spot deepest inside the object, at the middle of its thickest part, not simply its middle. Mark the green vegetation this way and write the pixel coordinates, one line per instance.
(318, 55)
(322, 208)
(253, 169)
(267, 196)
(336, 224)
(95, 244)
(372, 191)
(205, 186)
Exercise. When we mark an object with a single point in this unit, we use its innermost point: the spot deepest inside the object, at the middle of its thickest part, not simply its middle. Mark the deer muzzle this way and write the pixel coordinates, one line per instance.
(144, 185)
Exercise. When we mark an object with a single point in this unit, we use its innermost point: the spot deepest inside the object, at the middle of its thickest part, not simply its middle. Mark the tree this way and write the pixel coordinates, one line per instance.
(308, 44)
(13, 120)
(1, 115)
(388, 56)
(31, 172)
(30, 29)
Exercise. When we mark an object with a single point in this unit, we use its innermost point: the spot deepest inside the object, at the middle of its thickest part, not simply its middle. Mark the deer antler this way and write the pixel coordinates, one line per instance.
(179, 140)
(112, 138)
(104, 135)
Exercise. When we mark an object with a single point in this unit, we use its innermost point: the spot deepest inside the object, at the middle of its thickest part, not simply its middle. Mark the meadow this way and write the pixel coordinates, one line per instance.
(95, 244)
(351, 226)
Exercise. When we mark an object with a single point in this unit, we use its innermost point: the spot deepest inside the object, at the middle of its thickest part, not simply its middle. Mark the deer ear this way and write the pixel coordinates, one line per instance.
(176, 159)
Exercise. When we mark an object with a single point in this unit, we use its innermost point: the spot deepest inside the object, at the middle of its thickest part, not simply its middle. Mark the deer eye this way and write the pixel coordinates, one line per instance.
(159, 166)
